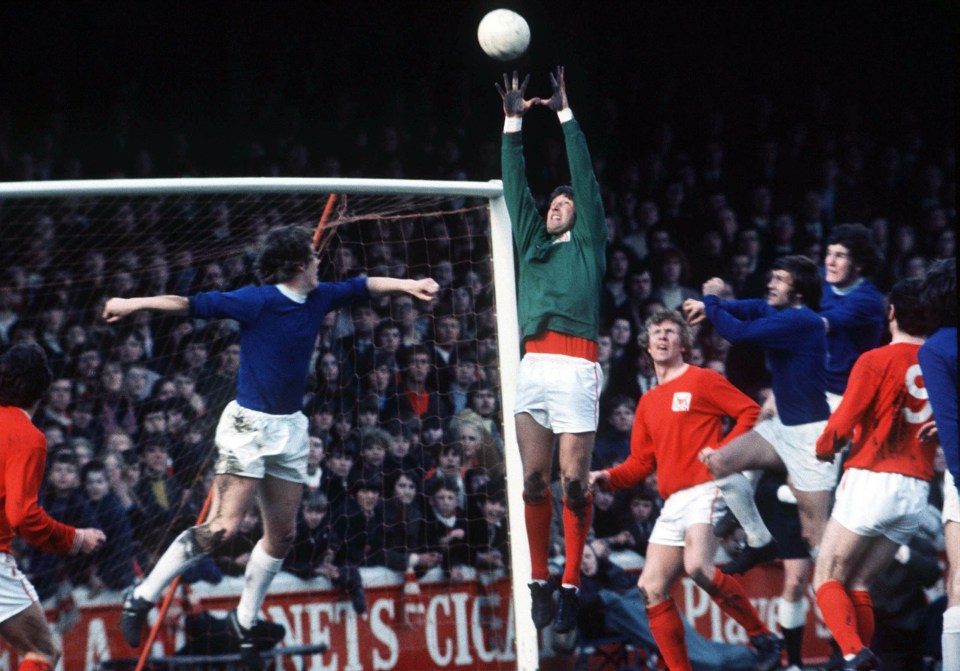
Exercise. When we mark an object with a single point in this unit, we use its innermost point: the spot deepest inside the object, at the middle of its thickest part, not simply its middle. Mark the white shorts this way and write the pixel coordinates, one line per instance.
(874, 504)
(16, 592)
(833, 400)
(254, 444)
(951, 499)
(700, 504)
(797, 448)
(562, 393)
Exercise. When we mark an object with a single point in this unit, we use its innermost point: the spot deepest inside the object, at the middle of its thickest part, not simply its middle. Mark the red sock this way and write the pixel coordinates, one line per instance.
(34, 665)
(576, 526)
(839, 616)
(537, 517)
(863, 606)
(729, 595)
(667, 628)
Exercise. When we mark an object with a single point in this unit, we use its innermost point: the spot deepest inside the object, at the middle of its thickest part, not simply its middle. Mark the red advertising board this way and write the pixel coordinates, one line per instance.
(464, 626)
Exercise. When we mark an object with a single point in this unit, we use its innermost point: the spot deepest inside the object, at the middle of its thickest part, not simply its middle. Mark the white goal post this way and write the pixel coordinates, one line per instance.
(501, 249)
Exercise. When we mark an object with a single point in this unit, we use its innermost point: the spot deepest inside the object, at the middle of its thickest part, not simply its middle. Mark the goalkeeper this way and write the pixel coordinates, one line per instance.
(562, 263)
(262, 435)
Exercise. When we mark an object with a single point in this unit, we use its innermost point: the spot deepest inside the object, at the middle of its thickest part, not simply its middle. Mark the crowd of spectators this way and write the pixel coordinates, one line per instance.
(407, 457)
(402, 403)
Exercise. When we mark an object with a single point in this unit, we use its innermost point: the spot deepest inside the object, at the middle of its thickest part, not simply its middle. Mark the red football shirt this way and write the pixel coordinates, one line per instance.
(882, 409)
(23, 455)
(674, 421)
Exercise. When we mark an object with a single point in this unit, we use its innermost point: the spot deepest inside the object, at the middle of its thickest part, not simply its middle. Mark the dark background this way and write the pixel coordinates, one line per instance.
(227, 73)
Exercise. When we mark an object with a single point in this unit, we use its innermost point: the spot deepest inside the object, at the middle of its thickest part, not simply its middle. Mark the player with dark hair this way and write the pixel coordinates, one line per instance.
(938, 360)
(674, 421)
(562, 264)
(788, 328)
(262, 435)
(938, 356)
(852, 307)
(24, 378)
(889, 464)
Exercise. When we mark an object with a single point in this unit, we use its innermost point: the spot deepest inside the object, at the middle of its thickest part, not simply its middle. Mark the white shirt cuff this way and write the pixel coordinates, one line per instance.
(512, 124)
(565, 115)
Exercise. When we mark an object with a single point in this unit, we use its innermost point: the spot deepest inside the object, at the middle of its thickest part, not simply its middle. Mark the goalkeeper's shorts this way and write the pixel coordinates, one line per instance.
(562, 393)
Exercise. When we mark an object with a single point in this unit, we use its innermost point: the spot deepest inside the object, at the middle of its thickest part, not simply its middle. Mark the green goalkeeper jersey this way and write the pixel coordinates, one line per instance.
(560, 276)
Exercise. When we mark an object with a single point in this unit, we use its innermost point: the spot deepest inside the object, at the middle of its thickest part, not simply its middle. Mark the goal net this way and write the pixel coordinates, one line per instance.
(130, 416)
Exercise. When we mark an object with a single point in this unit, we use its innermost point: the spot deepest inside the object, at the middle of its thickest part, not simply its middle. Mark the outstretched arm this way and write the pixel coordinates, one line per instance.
(591, 222)
(116, 309)
(425, 289)
(526, 222)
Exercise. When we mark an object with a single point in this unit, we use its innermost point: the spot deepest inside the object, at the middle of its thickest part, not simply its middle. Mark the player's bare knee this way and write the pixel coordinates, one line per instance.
(534, 488)
(818, 580)
(284, 540)
(720, 465)
(825, 572)
(716, 470)
(651, 595)
(45, 650)
(793, 590)
(206, 538)
(575, 493)
(701, 574)
(644, 598)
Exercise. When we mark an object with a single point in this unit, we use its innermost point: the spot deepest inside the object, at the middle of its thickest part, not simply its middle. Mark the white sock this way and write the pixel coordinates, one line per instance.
(259, 574)
(738, 494)
(791, 614)
(951, 638)
(181, 555)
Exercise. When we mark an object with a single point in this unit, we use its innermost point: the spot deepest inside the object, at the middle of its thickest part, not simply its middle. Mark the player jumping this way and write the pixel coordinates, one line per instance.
(562, 263)
(792, 333)
(262, 435)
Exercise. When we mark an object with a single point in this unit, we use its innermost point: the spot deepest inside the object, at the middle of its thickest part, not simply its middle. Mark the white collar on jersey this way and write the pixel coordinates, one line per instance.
(843, 291)
(292, 295)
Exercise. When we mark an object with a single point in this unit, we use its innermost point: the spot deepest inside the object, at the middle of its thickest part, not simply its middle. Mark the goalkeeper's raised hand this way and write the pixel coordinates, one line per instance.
(512, 93)
(557, 101)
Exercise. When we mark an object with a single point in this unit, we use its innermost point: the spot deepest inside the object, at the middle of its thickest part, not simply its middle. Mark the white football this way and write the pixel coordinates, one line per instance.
(503, 35)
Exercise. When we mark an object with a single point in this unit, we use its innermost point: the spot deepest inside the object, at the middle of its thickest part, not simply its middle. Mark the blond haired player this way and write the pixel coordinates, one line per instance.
(674, 421)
